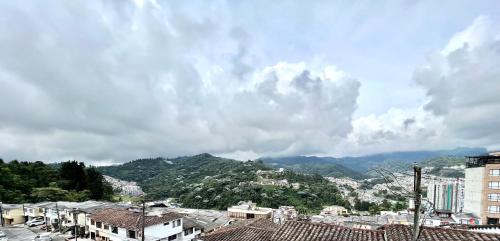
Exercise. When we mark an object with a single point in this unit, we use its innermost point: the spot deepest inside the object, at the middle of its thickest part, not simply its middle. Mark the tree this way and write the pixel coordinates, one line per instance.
(97, 185)
(72, 176)
(48, 194)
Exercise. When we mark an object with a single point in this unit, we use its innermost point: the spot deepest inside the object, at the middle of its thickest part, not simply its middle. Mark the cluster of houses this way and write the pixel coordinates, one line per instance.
(103, 221)
(246, 221)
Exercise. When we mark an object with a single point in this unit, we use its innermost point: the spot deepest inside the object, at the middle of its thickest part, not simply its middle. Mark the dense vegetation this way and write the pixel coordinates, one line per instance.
(36, 181)
(313, 165)
(206, 181)
(441, 166)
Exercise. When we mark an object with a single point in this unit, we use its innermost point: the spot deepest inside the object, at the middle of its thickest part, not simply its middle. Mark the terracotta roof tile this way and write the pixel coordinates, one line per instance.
(130, 219)
(254, 230)
(404, 233)
(306, 231)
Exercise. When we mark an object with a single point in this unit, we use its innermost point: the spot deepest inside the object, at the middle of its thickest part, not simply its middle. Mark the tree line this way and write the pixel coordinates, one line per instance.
(22, 182)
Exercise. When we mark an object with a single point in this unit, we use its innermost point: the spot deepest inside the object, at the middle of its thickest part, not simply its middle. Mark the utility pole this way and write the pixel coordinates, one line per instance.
(1, 214)
(58, 219)
(24, 215)
(417, 178)
(75, 219)
(143, 217)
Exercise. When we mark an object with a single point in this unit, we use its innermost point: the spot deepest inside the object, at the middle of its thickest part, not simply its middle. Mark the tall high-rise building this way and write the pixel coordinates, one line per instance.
(446, 195)
(482, 187)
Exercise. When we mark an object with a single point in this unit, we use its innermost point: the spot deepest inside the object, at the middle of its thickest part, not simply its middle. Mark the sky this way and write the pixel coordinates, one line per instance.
(112, 81)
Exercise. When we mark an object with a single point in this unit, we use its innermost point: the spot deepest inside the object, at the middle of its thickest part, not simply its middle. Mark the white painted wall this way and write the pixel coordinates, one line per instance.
(473, 190)
(163, 231)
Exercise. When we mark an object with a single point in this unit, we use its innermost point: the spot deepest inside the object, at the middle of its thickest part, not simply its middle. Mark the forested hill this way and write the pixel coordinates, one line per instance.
(206, 181)
(313, 165)
(36, 181)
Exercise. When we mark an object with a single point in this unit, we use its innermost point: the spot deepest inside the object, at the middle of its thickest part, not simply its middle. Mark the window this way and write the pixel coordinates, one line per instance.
(106, 227)
(173, 237)
(177, 223)
(494, 185)
(167, 223)
(188, 231)
(114, 229)
(494, 209)
(131, 233)
(495, 172)
(98, 224)
(495, 197)
(92, 222)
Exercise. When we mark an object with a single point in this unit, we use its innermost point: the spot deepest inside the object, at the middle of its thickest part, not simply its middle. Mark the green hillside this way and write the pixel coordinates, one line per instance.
(314, 167)
(36, 181)
(206, 181)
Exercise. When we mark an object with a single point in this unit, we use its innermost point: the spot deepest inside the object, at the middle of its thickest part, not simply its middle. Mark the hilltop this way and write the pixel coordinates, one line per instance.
(206, 181)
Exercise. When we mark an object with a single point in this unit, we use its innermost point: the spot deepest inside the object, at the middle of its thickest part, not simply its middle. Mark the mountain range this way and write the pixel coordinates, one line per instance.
(357, 167)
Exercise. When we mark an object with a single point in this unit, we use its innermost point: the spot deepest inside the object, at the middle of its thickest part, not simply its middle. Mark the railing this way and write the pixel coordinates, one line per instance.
(481, 161)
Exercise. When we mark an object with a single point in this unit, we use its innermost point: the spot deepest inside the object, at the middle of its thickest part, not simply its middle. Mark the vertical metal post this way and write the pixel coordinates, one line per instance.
(24, 215)
(1, 214)
(58, 218)
(75, 219)
(417, 190)
(143, 217)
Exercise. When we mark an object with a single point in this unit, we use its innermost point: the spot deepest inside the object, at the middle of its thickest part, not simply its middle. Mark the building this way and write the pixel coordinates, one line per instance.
(334, 210)
(126, 225)
(32, 211)
(12, 214)
(249, 210)
(482, 188)
(285, 213)
(446, 195)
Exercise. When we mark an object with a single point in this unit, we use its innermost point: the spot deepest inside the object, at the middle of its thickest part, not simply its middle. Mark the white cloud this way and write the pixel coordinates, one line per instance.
(462, 85)
(114, 81)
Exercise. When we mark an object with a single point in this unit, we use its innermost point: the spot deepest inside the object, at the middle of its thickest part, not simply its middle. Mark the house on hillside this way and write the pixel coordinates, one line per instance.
(249, 210)
(12, 214)
(334, 210)
(125, 225)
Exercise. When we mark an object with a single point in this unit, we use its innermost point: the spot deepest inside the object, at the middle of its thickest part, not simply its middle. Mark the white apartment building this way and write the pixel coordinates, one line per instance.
(446, 194)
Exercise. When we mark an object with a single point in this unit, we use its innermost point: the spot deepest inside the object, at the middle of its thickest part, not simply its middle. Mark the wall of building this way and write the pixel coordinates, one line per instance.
(473, 190)
(446, 194)
(13, 216)
(163, 231)
(486, 203)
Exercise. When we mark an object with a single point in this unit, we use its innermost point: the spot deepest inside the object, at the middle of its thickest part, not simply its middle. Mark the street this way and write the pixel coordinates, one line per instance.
(23, 233)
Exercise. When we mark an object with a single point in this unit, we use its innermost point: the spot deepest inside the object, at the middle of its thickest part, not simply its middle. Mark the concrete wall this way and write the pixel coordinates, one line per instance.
(163, 231)
(473, 190)
(13, 216)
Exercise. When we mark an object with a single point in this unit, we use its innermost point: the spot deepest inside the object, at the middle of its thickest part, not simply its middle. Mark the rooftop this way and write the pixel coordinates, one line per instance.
(130, 219)
(304, 231)
(480, 161)
(257, 230)
(404, 233)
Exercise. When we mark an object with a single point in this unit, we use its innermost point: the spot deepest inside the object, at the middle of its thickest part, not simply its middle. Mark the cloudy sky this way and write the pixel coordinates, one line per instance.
(111, 81)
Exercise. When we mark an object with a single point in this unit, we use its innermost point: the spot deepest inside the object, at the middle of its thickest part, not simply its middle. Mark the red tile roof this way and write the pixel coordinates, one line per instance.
(256, 230)
(404, 233)
(305, 231)
(130, 219)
